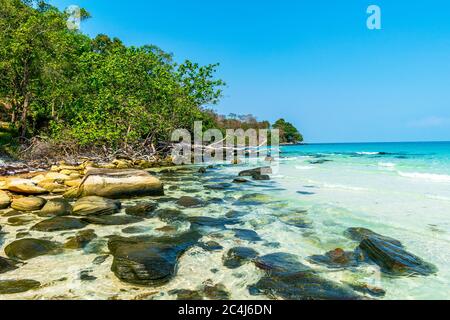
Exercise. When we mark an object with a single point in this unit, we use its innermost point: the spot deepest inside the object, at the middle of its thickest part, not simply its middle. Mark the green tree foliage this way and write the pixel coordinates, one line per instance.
(288, 133)
(60, 83)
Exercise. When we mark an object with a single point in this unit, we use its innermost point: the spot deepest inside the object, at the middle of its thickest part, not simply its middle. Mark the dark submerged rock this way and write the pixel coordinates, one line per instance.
(142, 210)
(189, 202)
(216, 292)
(246, 234)
(287, 278)
(252, 199)
(261, 177)
(7, 265)
(147, 260)
(17, 286)
(238, 256)
(209, 222)
(210, 246)
(240, 180)
(395, 260)
(257, 171)
(337, 258)
(112, 220)
(359, 234)
(25, 249)
(219, 186)
(80, 240)
(59, 224)
(170, 215)
(367, 289)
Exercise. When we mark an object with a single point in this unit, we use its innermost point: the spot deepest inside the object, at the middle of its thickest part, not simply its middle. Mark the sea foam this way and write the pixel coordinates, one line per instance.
(426, 176)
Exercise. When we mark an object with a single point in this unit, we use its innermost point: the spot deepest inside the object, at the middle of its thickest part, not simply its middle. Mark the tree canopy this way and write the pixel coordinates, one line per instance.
(62, 85)
(288, 133)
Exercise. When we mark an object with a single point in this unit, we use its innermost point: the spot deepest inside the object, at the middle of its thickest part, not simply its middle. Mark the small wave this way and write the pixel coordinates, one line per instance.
(386, 164)
(344, 187)
(426, 176)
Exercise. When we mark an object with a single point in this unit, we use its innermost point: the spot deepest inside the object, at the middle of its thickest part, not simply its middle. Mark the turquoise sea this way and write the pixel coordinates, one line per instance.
(317, 191)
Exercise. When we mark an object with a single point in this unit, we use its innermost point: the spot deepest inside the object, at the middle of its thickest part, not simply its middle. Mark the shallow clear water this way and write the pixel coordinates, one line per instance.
(398, 190)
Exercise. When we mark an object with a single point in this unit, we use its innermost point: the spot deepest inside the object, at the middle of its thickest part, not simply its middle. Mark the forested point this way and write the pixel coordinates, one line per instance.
(64, 92)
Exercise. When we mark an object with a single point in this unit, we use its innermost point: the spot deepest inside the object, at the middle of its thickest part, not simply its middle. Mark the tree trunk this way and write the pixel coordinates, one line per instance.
(23, 121)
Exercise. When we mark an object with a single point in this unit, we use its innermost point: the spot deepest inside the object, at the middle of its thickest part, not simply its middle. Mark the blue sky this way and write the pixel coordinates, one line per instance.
(313, 62)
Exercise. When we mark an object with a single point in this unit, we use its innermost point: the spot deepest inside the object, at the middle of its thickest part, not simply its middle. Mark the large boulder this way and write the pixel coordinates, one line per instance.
(112, 183)
(59, 224)
(393, 259)
(147, 260)
(4, 200)
(25, 249)
(96, 206)
(56, 207)
(28, 204)
(24, 186)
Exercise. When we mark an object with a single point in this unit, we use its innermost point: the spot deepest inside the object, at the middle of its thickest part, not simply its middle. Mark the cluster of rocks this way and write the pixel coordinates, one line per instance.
(72, 198)
(388, 253)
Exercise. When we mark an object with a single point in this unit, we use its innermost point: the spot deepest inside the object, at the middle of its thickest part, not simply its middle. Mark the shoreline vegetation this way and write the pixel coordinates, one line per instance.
(65, 96)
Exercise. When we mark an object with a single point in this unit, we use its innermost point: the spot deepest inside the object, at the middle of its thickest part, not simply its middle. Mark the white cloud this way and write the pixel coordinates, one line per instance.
(429, 122)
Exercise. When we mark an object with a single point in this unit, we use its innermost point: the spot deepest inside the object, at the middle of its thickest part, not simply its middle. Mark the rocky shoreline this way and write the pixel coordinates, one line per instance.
(71, 208)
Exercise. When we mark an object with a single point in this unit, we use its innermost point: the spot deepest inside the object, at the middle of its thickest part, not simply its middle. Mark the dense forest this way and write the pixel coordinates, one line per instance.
(62, 86)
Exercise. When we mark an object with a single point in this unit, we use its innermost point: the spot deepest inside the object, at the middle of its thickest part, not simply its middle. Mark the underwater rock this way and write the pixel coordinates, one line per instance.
(210, 246)
(25, 249)
(142, 209)
(189, 202)
(80, 240)
(260, 177)
(202, 170)
(56, 207)
(17, 286)
(149, 260)
(170, 215)
(393, 259)
(367, 289)
(96, 206)
(296, 221)
(255, 172)
(219, 186)
(135, 229)
(246, 234)
(112, 220)
(240, 180)
(238, 256)
(209, 222)
(59, 224)
(287, 278)
(359, 234)
(216, 292)
(20, 220)
(28, 204)
(252, 199)
(337, 258)
(7, 265)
